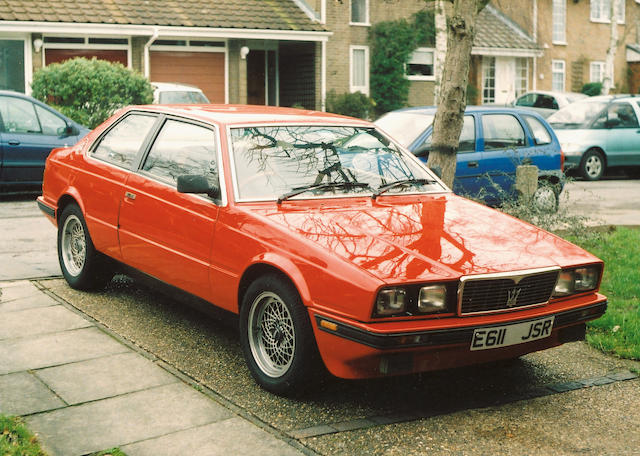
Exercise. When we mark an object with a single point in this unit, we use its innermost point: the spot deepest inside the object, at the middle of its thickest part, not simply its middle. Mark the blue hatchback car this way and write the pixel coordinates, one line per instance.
(493, 142)
(29, 130)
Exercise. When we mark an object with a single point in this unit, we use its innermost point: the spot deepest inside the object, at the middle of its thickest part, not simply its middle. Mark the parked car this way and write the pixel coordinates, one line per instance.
(546, 103)
(171, 93)
(599, 133)
(29, 130)
(493, 142)
(334, 245)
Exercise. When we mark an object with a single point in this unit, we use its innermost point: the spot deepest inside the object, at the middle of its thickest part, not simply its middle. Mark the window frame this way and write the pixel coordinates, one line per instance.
(419, 77)
(353, 87)
(602, 9)
(561, 63)
(488, 63)
(367, 20)
(597, 64)
(525, 142)
(559, 22)
(519, 91)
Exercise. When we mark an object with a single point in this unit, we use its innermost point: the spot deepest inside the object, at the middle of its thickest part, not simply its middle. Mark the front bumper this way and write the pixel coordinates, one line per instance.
(356, 351)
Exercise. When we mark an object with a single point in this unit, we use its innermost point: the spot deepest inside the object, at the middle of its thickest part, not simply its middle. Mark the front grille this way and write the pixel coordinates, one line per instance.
(487, 294)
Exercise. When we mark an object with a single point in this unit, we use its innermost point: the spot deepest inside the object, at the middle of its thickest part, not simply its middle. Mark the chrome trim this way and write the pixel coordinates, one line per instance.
(516, 276)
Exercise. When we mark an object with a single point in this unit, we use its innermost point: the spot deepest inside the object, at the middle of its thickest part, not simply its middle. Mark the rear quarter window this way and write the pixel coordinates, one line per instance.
(120, 145)
(539, 132)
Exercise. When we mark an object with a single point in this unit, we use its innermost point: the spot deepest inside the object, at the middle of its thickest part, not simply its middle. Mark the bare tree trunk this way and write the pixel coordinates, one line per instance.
(447, 124)
(441, 46)
(608, 83)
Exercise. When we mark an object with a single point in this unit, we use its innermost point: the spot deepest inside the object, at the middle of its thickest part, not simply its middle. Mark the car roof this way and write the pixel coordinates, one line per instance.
(248, 114)
(431, 110)
(172, 86)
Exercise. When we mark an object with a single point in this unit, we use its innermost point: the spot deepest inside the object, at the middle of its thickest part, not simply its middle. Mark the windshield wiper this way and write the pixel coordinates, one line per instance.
(326, 185)
(402, 183)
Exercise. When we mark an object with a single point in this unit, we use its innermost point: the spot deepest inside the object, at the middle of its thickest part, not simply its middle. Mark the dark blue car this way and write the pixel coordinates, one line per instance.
(493, 142)
(29, 130)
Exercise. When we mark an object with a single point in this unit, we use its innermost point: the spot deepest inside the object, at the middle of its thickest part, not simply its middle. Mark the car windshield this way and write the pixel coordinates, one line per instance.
(182, 97)
(292, 162)
(405, 126)
(577, 115)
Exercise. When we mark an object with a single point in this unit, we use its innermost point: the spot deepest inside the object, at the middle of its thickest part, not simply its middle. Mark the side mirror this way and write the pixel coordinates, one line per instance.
(196, 183)
(422, 151)
(69, 130)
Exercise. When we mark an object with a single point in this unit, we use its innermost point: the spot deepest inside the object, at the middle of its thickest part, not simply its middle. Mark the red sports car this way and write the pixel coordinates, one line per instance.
(334, 244)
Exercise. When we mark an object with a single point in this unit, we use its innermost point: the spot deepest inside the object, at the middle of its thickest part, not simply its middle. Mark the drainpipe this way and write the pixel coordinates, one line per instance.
(147, 66)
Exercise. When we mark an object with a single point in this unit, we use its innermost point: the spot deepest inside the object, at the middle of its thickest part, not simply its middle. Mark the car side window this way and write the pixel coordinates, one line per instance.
(468, 135)
(621, 115)
(121, 144)
(540, 133)
(182, 148)
(545, 101)
(18, 115)
(502, 131)
(52, 125)
(526, 100)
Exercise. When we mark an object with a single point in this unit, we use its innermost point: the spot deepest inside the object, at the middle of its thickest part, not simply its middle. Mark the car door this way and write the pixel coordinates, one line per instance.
(504, 147)
(622, 135)
(469, 166)
(162, 232)
(28, 133)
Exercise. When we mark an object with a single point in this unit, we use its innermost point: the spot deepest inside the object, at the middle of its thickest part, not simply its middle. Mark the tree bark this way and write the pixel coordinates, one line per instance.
(447, 124)
(441, 46)
(608, 83)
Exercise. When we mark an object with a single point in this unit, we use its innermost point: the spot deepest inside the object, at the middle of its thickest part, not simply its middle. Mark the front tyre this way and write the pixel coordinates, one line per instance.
(592, 165)
(82, 266)
(276, 336)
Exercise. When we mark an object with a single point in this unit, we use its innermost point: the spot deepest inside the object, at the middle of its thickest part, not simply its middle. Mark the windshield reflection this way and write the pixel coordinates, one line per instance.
(577, 114)
(287, 162)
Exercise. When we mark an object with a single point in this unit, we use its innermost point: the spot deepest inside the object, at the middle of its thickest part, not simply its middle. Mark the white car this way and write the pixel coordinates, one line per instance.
(171, 93)
(546, 103)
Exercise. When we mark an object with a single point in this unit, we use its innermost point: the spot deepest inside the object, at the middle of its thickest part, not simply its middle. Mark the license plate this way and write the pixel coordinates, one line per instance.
(517, 333)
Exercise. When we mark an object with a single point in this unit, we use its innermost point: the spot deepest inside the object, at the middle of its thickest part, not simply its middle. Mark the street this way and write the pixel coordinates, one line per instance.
(567, 400)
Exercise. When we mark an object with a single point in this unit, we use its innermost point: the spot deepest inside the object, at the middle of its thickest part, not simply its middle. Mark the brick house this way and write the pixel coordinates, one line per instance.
(286, 52)
(574, 36)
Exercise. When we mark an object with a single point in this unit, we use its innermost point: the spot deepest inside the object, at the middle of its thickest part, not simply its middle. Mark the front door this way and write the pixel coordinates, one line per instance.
(262, 88)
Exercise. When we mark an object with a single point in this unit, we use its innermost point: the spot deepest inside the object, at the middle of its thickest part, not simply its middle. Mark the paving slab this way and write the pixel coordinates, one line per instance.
(42, 320)
(16, 290)
(125, 419)
(54, 349)
(23, 394)
(230, 437)
(28, 302)
(104, 377)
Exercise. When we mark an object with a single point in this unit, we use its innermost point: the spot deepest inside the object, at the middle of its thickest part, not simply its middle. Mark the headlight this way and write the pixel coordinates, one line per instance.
(432, 299)
(577, 280)
(391, 301)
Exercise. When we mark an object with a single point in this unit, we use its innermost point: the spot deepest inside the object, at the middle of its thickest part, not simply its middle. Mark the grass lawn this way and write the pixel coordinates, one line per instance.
(618, 331)
(16, 439)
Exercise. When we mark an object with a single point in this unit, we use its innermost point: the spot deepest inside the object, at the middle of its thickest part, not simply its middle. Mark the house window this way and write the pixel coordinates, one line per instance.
(596, 72)
(522, 76)
(420, 65)
(360, 12)
(601, 11)
(12, 65)
(557, 75)
(559, 17)
(359, 77)
(488, 80)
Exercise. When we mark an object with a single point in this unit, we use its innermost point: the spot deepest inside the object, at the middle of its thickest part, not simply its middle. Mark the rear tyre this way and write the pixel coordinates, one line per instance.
(592, 165)
(82, 266)
(276, 336)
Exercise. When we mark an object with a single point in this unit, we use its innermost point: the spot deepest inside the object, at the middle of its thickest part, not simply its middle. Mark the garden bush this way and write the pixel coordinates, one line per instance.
(592, 89)
(354, 104)
(89, 91)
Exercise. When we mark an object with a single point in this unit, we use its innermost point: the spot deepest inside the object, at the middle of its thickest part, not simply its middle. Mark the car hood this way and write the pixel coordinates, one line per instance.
(428, 237)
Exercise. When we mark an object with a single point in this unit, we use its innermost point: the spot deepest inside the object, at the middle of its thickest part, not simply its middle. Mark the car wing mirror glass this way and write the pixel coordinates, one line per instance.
(197, 183)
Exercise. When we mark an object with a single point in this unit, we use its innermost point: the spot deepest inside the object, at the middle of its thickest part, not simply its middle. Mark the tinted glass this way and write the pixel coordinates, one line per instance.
(540, 134)
(122, 143)
(623, 116)
(51, 124)
(502, 131)
(182, 148)
(526, 100)
(18, 116)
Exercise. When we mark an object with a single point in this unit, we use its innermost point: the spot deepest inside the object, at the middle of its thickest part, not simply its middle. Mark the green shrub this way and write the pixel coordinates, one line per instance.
(89, 91)
(350, 104)
(592, 88)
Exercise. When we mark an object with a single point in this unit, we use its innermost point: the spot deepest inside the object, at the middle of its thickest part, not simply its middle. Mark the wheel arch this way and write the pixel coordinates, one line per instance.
(597, 149)
(271, 265)
(65, 200)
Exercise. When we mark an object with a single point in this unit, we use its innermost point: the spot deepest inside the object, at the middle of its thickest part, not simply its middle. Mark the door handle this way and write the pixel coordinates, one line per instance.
(14, 142)
(130, 195)
(472, 164)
